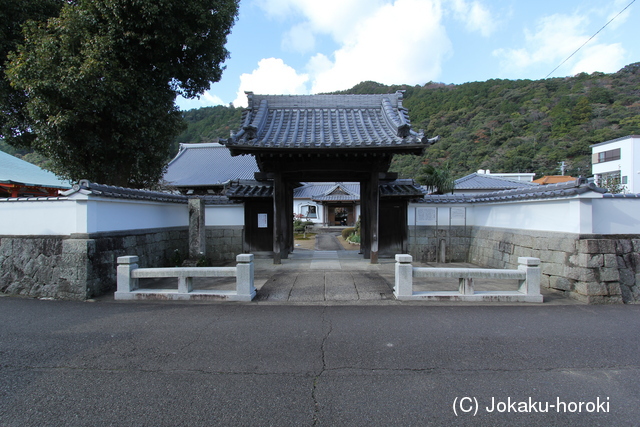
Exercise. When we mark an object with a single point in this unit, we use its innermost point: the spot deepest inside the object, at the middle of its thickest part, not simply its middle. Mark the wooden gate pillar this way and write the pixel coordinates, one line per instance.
(280, 236)
(374, 215)
(365, 227)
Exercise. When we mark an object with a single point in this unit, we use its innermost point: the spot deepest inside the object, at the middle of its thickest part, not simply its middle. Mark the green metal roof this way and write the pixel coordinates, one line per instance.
(16, 171)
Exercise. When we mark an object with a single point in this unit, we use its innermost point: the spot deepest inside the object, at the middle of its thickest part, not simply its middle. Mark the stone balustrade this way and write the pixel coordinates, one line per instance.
(528, 274)
(128, 275)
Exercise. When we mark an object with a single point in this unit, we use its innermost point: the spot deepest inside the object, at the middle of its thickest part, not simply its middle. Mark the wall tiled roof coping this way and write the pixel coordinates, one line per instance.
(90, 188)
(551, 191)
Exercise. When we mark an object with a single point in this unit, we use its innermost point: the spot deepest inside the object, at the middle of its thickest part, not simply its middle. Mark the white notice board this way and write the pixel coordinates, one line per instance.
(426, 216)
(262, 220)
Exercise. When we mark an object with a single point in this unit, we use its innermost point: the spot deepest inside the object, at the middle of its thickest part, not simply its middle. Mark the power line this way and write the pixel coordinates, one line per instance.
(591, 38)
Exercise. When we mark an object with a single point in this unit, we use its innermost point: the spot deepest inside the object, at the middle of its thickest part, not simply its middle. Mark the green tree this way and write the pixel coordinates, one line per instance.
(437, 181)
(102, 77)
(13, 14)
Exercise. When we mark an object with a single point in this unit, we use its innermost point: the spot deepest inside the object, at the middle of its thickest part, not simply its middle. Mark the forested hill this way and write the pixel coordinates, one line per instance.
(501, 125)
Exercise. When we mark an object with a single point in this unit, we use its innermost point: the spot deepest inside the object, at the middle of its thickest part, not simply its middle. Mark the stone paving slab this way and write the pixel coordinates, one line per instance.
(340, 286)
(307, 288)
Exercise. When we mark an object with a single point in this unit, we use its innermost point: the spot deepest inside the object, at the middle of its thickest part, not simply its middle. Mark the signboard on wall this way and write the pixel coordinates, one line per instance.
(262, 220)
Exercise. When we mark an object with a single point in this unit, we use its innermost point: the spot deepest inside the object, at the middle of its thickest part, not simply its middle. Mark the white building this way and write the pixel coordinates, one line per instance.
(525, 177)
(618, 158)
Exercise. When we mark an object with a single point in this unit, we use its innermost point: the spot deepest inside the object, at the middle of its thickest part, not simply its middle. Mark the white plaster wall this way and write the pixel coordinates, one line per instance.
(616, 216)
(560, 215)
(37, 218)
(566, 215)
(219, 215)
(103, 215)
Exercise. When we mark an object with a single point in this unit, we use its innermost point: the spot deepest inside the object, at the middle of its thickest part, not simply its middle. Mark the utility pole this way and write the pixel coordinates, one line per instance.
(563, 167)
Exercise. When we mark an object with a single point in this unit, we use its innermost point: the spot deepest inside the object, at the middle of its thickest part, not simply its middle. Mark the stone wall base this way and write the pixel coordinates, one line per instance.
(78, 267)
(590, 268)
(595, 269)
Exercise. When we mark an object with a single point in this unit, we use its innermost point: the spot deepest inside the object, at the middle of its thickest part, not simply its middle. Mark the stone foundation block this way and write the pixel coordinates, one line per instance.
(553, 256)
(561, 283)
(609, 275)
(591, 288)
(614, 288)
(624, 246)
(579, 274)
(597, 246)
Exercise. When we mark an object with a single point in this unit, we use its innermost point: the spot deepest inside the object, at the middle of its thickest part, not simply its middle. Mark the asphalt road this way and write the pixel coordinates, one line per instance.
(170, 364)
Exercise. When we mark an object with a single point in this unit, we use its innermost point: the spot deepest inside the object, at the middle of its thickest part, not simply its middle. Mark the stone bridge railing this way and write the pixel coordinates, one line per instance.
(528, 274)
(129, 273)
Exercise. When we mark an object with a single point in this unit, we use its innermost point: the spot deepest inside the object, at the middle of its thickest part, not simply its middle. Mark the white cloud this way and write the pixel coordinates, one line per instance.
(601, 57)
(475, 16)
(555, 39)
(205, 100)
(300, 38)
(333, 17)
(272, 76)
(403, 42)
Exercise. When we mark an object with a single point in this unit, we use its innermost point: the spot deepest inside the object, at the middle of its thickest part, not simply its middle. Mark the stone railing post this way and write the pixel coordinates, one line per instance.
(244, 277)
(404, 276)
(185, 284)
(531, 267)
(126, 264)
(465, 286)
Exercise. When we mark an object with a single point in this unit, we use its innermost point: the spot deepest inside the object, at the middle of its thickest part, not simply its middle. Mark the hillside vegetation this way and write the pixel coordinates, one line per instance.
(501, 125)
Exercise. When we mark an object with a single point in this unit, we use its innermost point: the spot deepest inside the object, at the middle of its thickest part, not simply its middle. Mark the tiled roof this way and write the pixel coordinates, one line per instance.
(326, 191)
(566, 189)
(326, 121)
(553, 179)
(477, 181)
(250, 189)
(198, 165)
(400, 188)
(339, 193)
(86, 187)
(315, 189)
(16, 171)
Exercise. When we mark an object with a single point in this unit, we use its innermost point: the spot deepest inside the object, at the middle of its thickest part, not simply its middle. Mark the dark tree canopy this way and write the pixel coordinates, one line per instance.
(13, 14)
(102, 77)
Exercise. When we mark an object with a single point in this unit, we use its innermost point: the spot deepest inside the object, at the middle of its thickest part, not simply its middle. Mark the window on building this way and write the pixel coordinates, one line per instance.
(606, 156)
(309, 211)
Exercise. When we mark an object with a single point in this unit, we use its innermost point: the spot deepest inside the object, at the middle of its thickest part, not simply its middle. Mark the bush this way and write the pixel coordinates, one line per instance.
(354, 238)
(348, 232)
(300, 226)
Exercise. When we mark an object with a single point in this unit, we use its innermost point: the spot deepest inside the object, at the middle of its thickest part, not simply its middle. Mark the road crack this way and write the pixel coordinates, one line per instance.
(326, 323)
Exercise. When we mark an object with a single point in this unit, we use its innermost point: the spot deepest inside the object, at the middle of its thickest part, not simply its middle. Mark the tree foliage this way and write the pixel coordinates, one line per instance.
(101, 80)
(207, 124)
(437, 181)
(13, 14)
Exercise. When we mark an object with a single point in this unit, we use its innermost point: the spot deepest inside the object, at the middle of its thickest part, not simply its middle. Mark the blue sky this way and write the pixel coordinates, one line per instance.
(311, 46)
